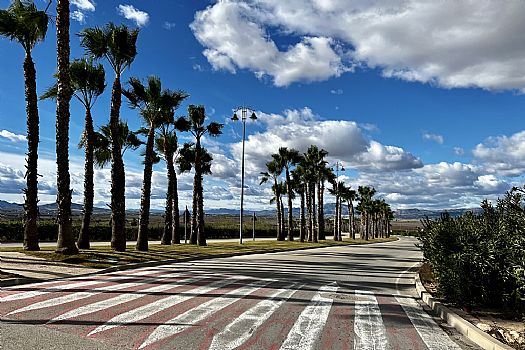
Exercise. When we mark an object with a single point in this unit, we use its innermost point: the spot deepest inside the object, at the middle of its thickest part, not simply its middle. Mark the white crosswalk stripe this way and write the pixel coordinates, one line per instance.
(236, 333)
(123, 298)
(311, 321)
(74, 285)
(159, 305)
(433, 336)
(83, 295)
(193, 316)
(369, 330)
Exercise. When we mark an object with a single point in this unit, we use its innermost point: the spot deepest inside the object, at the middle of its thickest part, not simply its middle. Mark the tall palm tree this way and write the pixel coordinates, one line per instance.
(118, 45)
(194, 123)
(324, 174)
(365, 198)
(156, 107)
(166, 145)
(88, 83)
(299, 186)
(66, 241)
(286, 158)
(350, 196)
(273, 172)
(24, 23)
(315, 160)
(187, 160)
(103, 141)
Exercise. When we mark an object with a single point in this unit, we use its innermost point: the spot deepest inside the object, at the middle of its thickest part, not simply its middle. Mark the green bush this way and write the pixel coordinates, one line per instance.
(480, 259)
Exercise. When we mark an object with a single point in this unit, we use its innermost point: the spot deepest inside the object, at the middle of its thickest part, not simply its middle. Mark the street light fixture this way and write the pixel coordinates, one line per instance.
(244, 115)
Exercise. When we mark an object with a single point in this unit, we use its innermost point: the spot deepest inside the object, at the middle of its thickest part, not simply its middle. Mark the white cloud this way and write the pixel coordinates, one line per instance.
(78, 16)
(169, 25)
(503, 154)
(337, 92)
(459, 151)
(463, 44)
(234, 38)
(85, 5)
(12, 136)
(140, 18)
(433, 137)
(82, 6)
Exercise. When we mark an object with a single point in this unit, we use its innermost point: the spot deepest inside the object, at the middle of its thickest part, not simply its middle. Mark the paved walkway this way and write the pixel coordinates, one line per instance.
(28, 266)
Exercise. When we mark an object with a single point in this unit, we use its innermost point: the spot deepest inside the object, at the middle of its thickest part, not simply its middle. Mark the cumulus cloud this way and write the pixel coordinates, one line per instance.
(235, 38)
(140, 18)
(503, 154)
(12, 136)
(82, 6)
(433, 137)
(459, 151)
(463, 44)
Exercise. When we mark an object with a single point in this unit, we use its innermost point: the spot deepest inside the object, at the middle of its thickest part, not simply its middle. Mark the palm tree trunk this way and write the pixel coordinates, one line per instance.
(315, 231)
(65, 242)
(168, 213)
(309, 209)
(290, 212)
(194, 210)
(89, 134)
(201, 237)
(302, 218)
(341, 222)
(31, 192)
(142, 238)
(351, 219)
(336, 218)
(175, 237)
(118, 176)
(320, 210)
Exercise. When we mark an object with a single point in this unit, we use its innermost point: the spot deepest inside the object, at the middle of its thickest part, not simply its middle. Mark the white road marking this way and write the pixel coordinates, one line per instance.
(124, 298)
(311, 321)
(433, 336)
(369, 330)
(83, 295)
(193, 316)
(236, 333)
(159, 305)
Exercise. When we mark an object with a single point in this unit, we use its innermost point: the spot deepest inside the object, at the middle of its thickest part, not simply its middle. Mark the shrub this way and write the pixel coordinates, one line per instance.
(480, 259)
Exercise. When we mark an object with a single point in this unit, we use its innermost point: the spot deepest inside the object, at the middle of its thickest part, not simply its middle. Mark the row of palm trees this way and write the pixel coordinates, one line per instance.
(84, 79)
(306, 175)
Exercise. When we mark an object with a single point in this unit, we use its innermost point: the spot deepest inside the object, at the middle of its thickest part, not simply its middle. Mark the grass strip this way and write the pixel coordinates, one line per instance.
(104, 257)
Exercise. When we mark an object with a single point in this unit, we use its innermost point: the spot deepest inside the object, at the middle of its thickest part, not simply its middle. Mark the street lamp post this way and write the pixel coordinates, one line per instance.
(244, 115)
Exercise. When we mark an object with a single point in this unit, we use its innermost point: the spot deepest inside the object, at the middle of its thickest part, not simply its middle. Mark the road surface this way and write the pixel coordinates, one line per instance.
(354, 297)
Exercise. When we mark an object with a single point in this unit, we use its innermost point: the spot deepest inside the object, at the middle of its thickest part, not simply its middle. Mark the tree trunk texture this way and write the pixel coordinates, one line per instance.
(89, 135)
(31, 192)
(340, 221)
(290, 211)
(351, 219)
(65, 242)
(309, 209)
(315, 228)
(320, 195)
(302, 218)
(118, 176)
(175, 236)
(201, 236)
(336, 218)
(145, 200)
(168, 213)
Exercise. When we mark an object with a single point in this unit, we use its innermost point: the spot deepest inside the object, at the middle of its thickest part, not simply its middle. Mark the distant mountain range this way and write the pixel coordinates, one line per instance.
(8, 209)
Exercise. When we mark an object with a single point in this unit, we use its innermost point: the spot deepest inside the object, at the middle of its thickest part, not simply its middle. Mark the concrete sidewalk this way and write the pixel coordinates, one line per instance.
(30, 267)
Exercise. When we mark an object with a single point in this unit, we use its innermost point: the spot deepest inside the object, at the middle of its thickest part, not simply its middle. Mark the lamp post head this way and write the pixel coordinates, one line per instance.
(235, 118)
(342, 168)
(253, 116)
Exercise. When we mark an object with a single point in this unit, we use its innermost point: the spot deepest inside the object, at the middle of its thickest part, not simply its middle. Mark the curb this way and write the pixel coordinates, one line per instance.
(482, 339)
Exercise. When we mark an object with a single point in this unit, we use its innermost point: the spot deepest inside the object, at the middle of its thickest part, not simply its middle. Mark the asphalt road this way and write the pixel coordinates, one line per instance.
(355, 297)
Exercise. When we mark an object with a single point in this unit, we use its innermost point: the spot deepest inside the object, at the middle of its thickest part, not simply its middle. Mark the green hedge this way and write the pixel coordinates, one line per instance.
(480, 259)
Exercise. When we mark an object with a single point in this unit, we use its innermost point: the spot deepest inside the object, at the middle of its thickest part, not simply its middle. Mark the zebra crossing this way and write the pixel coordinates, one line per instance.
(157, 308)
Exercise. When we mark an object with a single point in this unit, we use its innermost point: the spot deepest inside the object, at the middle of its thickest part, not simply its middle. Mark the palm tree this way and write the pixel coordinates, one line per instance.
(166, 145)
(324, 173)
(24, 23)
(194, 123)
(103, 140)
(364, 207)
(299, 186)
(350, 196)
(117, 44)
(339, 189)
(273, 173)
(286, 158)
(314, 161)
(87, 82)
(156, 107)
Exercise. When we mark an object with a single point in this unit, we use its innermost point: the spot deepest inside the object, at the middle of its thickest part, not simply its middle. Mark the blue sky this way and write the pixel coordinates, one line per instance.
(424, 102)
